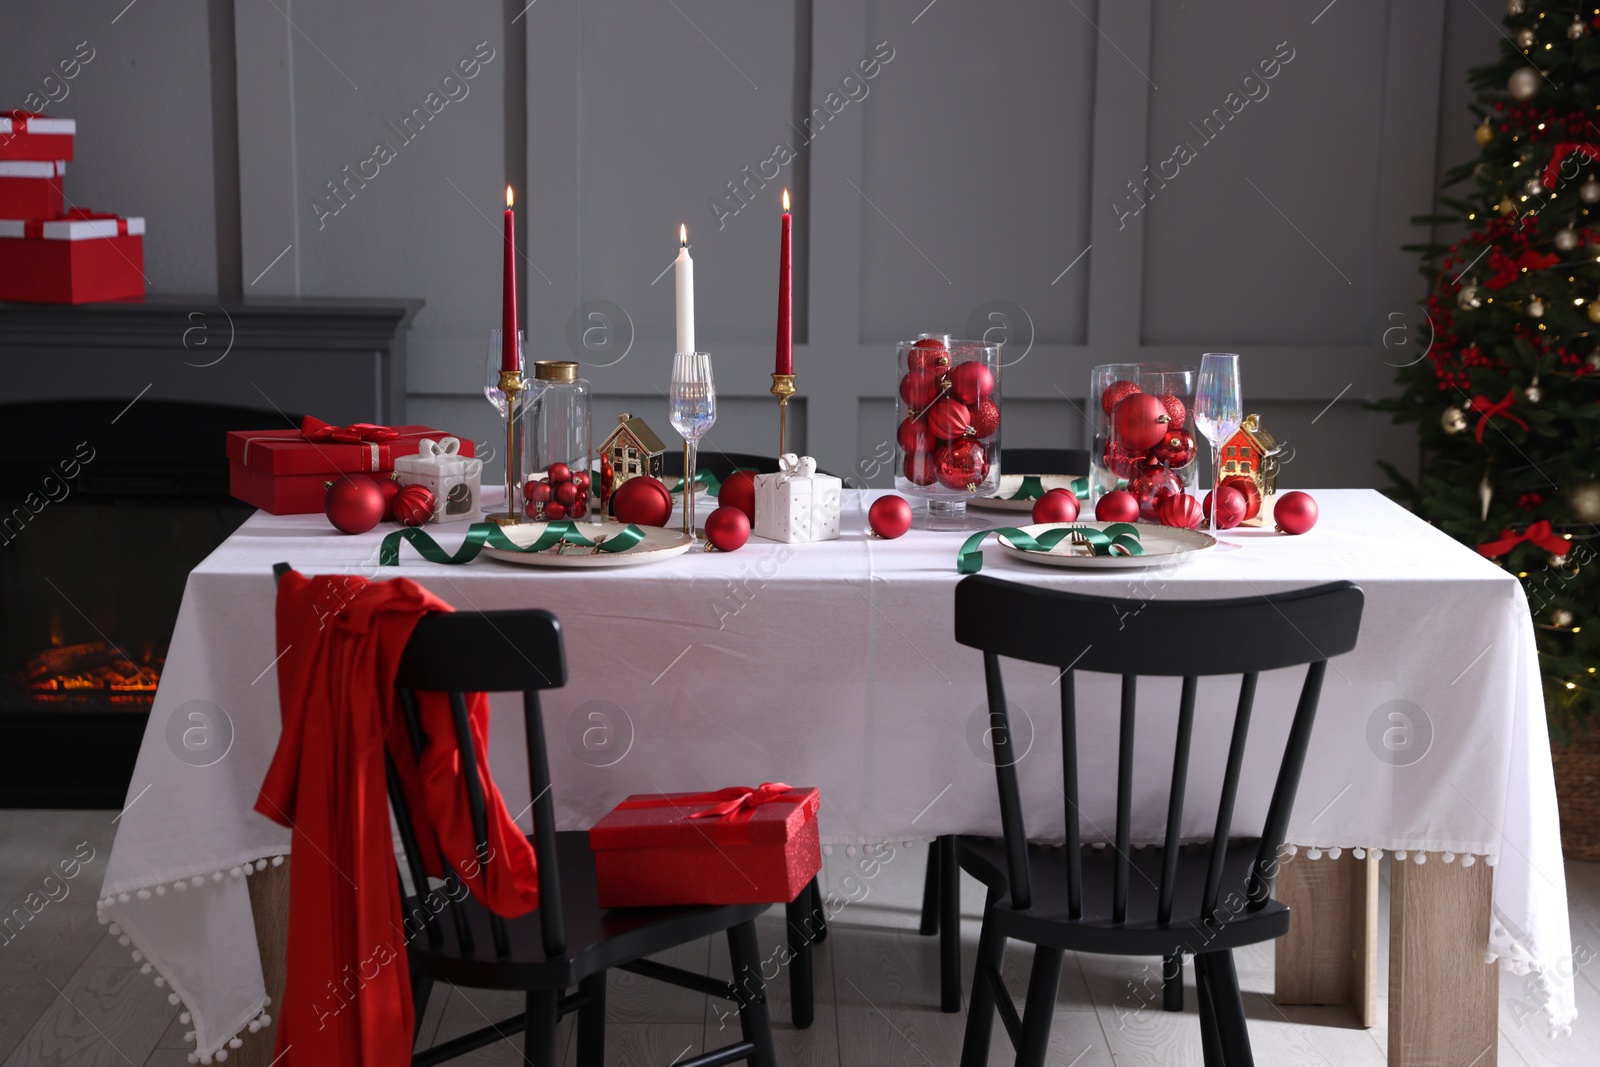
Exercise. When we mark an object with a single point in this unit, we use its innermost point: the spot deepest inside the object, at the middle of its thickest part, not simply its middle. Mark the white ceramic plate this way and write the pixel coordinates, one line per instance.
(658, 544)
(1012, 483)
(1163, 545)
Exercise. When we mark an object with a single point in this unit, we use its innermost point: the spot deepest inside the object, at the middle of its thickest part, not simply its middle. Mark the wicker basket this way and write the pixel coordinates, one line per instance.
(1577, 765)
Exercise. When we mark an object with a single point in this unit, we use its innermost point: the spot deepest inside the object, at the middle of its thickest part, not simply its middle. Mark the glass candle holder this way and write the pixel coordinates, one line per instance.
(1142, 415)
(557, 449)
(947, 424)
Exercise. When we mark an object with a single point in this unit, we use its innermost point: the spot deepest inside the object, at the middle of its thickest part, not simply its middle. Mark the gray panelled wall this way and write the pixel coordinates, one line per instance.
(957, 166)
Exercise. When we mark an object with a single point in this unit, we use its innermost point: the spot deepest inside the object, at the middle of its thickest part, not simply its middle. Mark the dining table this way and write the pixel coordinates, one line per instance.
(834, 664)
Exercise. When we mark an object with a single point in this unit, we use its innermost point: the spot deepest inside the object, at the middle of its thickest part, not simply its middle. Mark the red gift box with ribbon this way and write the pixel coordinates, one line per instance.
(30, 135)
(80, 258)
(285, 471)
(732, 846)
(31, 188)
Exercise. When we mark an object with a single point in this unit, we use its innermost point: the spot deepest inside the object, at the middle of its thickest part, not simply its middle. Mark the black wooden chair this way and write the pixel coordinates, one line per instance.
(718, 463)
(1181, 899)
(1072, 461)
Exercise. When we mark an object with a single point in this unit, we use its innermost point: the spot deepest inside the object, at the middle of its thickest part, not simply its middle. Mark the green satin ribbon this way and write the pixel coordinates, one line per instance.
(480, 534)
(1117, 539)
(1033, 488)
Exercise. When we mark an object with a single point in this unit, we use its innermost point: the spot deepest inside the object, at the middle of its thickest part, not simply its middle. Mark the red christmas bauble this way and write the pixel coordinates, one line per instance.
(354, 504)
(559, 472)
(1119, 505)
(1119, 462)
(1175, 410)
(390, 489)
(928, 354)
(1139, 422)
(985, 419)
(739, 491)
(919, 467)
(949, 419)
(537, 491)
(414, 506)
(1231, 506)
(971, 382)
(919, 388)
(554, 511)
(1058, 505)
(889, 516)
(1295, 513)
(581, 480)
(1252, 495)
(566, 494)
(727, 528)
(1150, 487)
(1114, 394)
(1175, 450)
(1180, 510)
(962, 464)
(643, 500)
(914, 435)
(607, 478)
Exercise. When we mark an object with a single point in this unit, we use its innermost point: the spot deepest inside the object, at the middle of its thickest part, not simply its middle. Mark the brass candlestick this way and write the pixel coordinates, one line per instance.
(511, 385)
(783, 389)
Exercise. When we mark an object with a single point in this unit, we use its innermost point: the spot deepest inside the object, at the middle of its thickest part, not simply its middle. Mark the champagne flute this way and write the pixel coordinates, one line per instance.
(1218, 411)
(692, 408)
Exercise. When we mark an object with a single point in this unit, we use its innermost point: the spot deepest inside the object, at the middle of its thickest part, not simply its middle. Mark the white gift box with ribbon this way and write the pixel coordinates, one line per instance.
(797, 505)
(455, 480)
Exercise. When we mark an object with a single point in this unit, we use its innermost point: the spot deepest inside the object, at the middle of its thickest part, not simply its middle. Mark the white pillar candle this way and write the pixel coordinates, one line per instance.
(683, 271)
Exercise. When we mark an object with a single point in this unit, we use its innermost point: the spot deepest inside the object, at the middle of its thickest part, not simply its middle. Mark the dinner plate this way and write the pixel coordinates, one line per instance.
(1163, 546)
(659, 543)
(1010, 484)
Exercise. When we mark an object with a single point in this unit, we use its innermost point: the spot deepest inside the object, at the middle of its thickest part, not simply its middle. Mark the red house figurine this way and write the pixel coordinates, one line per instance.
(1252, 453)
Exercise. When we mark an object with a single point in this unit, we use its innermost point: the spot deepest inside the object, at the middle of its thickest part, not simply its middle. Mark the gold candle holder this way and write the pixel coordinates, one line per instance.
(783, 389)
(511, 385)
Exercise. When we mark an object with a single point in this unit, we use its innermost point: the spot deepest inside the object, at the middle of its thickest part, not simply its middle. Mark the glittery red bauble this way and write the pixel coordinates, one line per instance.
(1180, 510)
(1252, 495)
(985, 419)
(566, 494)
(928, 354)
(739, 491)
(1058, 505)
(1138, 422)
(919, 388)
(554, 511)
(1175, 409)
(949, 419)
(537, 492)
(414, 506)
(889, 516)
(643, 500)
(1150, 487)
(354, 504)
(559, 472)
(1176, 449)
(390, 489)
(971, 382)
(962, 464)
(1119, 505)
(1119, 462)
(1114, 394)
(727, 528)
(1295, 513)
(914, 435)
(919, 467)
(1231, 506)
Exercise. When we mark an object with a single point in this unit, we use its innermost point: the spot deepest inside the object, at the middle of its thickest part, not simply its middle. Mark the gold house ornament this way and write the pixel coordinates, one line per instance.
(1253, 453)
(628, 451)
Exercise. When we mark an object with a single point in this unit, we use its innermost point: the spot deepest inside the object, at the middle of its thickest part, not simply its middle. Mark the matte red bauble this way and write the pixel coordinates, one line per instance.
(949, 419)
(580, 507)
(914, 435)
(390, 489)
(1058, 505)
(1175, 450)
(1231, 506)
(1150, 486)
(1180, 510)
(1139, 422)
(1175, 410)
(739, 491)
(889, 516)
(581, 480)
(554, 511)
(985, 419)
(971, 382)
(1119, 505)
(414, 506)
(1114, 394)
(928, 354)
(727, 528)
(962, 464)
(1252, 494)
(559, 472)
(919, 388)
(919, 467)
(354, 504)
(537, 492)
(566, 493)
(642, 500)
(1119, 462)
(1295, 513)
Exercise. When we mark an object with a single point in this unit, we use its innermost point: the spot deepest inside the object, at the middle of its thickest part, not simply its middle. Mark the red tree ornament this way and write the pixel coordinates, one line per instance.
(1175, 410)
(1232, 508)
(1119, 505)
(537, 491)
(354, 504)
(727, 528)
(1139, 422)
(1248, 488)
(1180, 510)
(919, 467)
(949, 419)
(1058, 505)
(390, 489)
(641, 499)
(928, 354)
(1176, 449)
(919, 388)
(961, 464)
(580, 507)
(581, 480)
(889, 516)
(1118, 462)
(414, 505)
(1295, 513)
(1115, 393)
(985, 419)
(971, 382)
(554, 511)
(739, 491)
(914, 435)
(559, 472)
(1150, 487)
(566, 494)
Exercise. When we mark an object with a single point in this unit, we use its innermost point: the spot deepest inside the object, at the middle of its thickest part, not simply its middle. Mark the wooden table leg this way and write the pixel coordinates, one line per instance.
(269, 899)
(1330, 955)
(1443, 999)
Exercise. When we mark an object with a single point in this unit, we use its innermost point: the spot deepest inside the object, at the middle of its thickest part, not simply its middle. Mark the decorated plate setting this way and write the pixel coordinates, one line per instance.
(658, 543)
(1162, 545)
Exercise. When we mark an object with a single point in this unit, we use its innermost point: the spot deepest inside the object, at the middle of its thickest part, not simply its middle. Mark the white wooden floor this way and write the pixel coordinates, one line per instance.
(69, 995)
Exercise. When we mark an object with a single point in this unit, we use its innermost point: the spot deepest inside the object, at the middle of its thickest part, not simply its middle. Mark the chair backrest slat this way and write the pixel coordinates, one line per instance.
(553, 926)
(453, 887)
(1003, 745)
(1069, 793)
(1180, 780)
(413, 850)
(1230, 792)
(1265, 870)
(477, 808)
(1124, 859)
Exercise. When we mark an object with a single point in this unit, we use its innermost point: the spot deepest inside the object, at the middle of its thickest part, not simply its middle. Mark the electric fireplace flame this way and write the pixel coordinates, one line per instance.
(92, 671)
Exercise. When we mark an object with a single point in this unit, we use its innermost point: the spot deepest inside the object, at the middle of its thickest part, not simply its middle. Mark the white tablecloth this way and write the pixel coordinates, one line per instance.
(834, 665)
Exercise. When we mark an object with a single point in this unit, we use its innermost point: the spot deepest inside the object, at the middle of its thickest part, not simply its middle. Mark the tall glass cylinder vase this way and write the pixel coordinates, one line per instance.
(557, 449)
(1144, 436)
(948, 425)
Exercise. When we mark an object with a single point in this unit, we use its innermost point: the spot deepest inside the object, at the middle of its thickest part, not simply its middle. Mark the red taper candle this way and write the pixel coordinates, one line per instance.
(785, 290)
(508, 298)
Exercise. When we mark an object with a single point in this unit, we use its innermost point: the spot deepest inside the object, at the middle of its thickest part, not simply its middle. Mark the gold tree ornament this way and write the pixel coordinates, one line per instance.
(1561, 618)
(1536, 308)
(1594, 316)
(1526, 39)
(1484, 133)
(1589, 191)
(1454, 420)
(1516, 7)
(1505, 206)
(1592, 360)
(1469, 297)
(1524, 83)
(1584, 499)
(1566, 239)
(1556, 561)
(1485, 495)
(1577, 29)
(1533, 394)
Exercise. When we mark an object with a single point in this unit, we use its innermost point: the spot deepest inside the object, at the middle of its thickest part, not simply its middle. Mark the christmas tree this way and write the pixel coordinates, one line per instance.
(1507, 396)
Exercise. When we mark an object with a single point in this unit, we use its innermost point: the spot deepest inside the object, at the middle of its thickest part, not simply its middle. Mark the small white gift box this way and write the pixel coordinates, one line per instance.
(455, 480)
(797, 504)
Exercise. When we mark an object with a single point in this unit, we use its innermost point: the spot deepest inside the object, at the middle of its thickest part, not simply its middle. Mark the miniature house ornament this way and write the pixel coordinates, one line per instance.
(628, 451)
(1252, 453)
(455, 480)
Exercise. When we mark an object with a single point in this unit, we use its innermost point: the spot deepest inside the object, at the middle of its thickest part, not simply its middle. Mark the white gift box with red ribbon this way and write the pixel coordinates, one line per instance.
(80, 258)
(30, 135)
(455, 480)
(797, 505)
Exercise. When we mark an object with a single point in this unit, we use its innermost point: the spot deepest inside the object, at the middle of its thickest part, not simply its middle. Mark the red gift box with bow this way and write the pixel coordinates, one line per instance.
(30, 135)
(80, 258)
(31, 188)
(285, 471)
(732, 846)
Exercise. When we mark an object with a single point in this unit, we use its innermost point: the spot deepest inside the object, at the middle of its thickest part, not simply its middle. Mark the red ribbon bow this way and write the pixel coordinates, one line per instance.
(1507, 270)
(1539, 533)
(1564, 149)
(314, 429)
(737, 799)
(1488, 409)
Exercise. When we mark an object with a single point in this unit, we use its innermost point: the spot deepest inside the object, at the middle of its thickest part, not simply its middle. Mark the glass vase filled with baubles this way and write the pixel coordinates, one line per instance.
(948, 418)
(557, 449)
(1144, 435)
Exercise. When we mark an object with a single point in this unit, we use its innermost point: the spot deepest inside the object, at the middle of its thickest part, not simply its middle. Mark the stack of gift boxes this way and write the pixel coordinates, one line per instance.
(50, 253)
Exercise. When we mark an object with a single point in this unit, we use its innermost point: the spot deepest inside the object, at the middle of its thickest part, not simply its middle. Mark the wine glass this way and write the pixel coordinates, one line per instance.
(491, 387)
(1218, 411)
(692, 408)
